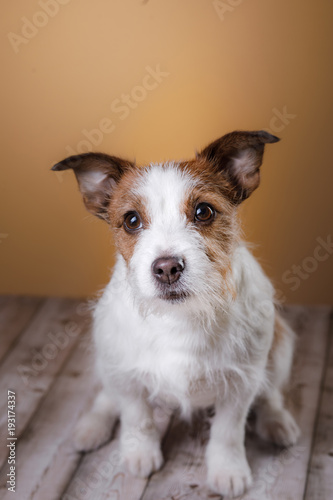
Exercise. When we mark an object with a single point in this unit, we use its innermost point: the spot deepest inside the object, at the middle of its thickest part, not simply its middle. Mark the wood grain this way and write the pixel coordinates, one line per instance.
(320, 480)
(32, 366)
(48, 437)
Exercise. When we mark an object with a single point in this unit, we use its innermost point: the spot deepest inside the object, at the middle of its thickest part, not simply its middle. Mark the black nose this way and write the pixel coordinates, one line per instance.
(168, 269)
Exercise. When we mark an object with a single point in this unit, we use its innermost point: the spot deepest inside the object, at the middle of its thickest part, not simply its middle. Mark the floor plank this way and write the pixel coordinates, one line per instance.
(320, 480)
(48, 435)
(31, 367)
(15, 314)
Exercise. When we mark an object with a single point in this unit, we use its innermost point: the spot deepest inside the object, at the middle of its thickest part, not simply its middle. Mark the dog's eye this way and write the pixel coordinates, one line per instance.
(132, 222)
(204, 212)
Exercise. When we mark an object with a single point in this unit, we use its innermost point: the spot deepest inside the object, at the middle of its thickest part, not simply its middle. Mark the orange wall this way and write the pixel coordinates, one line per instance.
(226, 65)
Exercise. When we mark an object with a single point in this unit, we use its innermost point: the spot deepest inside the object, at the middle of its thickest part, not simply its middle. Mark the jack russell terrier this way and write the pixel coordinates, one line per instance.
(188, 316)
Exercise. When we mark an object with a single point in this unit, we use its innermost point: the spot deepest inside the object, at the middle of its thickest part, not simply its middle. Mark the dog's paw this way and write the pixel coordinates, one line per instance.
(229, 479)
(280, 428)
(144, 459)
(92, 430)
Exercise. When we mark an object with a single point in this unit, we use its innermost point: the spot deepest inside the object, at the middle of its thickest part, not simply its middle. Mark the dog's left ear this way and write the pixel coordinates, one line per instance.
(97, 175)
(238, 156)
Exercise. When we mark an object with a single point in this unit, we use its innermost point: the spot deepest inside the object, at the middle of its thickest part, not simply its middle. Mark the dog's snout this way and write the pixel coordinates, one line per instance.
(167, 270)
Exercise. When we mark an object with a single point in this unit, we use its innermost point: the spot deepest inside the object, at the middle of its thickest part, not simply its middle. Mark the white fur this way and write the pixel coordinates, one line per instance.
(91, 180)
(208, 349)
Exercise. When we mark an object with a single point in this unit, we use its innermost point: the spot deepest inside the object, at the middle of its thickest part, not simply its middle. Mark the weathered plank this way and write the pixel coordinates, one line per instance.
(39, 354)
(46, 458)
(278, 474)
(102, 476)
(320, 479)
(15, 314)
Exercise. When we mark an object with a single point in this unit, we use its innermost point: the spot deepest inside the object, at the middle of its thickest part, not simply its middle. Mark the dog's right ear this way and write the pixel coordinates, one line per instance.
(97, 175)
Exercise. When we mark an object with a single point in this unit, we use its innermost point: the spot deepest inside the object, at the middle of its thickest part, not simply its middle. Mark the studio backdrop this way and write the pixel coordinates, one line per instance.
(155, 80)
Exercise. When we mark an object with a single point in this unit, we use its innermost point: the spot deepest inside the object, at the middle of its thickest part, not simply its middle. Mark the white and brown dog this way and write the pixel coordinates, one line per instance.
(188, 316)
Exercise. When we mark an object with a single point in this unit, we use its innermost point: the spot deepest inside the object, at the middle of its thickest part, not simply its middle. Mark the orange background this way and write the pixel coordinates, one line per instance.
(227, 65)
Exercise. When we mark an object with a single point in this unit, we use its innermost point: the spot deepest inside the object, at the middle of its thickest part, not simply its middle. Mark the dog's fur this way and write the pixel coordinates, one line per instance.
(208, 332)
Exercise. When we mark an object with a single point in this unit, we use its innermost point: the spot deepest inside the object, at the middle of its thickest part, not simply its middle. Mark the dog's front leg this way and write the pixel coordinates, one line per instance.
(139, 437)
(228, 471)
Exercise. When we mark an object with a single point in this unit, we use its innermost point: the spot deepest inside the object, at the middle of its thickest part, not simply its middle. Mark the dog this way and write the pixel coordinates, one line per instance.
(189, 317)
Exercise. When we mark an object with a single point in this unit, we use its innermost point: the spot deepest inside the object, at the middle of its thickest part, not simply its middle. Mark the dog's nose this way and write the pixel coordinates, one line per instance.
(168, 269)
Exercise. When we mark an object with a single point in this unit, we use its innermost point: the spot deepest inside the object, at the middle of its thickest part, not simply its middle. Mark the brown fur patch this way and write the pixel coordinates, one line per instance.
(280, 333)
(126, 200)
(237, 156)
(222, 233)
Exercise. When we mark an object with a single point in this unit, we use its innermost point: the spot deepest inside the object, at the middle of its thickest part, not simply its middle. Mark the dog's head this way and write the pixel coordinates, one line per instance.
(175, 223)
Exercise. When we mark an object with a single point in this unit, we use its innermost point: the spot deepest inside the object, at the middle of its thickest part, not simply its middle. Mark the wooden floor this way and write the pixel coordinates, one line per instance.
(46, 359)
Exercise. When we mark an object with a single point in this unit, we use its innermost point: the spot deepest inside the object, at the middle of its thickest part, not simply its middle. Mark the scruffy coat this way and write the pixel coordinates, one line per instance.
(188, 318)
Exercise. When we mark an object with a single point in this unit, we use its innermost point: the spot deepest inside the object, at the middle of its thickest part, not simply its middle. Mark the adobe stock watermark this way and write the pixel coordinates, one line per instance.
(225, 7)
(30, 27)
(268, 476)
(298, 273)
(102, 471)
(121, 108)
(294, 276)
(59, 341)
(279, 120)
(40, 358)
(188, 477)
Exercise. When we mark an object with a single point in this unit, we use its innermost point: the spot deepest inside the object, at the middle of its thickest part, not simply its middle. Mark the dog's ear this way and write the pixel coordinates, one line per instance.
(97, 175)
(238, 156)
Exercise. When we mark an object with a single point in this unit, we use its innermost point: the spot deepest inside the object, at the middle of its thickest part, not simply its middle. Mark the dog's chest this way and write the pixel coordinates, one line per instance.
(175, 371)
(171, 355)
